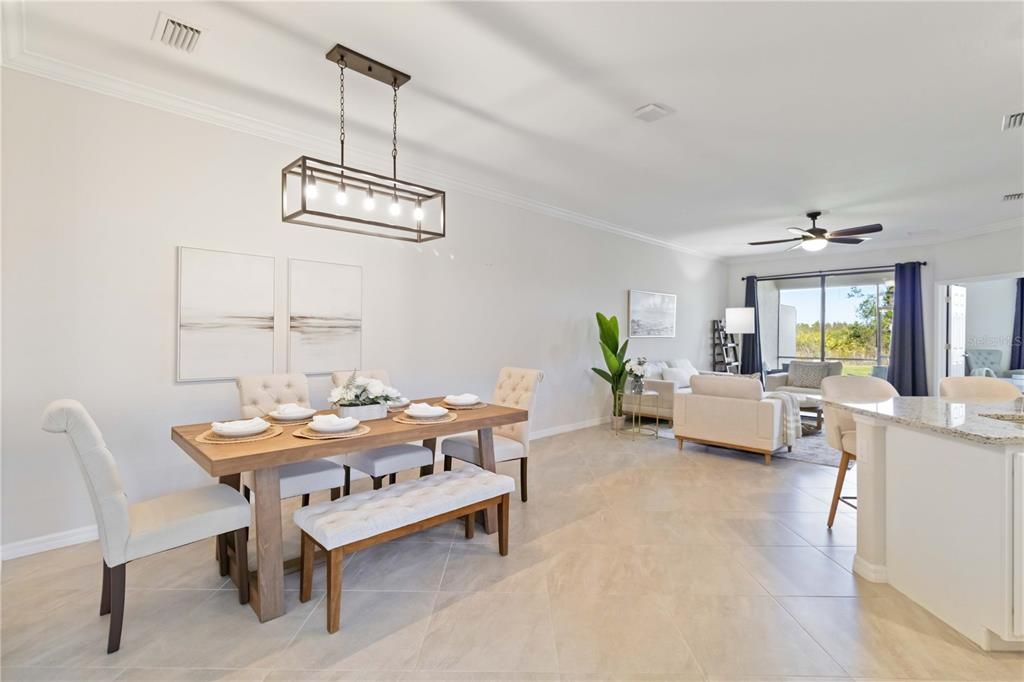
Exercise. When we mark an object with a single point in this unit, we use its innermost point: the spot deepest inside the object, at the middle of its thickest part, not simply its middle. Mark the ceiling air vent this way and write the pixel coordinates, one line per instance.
(176, 33)
(652, 112)
(1016, 196)
(1013, 120)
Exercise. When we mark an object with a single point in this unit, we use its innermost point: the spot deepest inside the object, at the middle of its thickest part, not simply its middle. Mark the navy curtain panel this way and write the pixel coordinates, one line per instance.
(750, 359)
(1017, 342)
(907, 365)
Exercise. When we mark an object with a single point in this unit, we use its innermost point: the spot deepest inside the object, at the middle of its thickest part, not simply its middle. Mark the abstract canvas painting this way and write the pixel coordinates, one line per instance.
(225, 314)
(651, 314)
(325, 316)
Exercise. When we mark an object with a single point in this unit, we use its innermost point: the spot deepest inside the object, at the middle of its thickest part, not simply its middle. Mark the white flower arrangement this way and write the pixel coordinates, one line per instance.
(635, 367)
(359, 390)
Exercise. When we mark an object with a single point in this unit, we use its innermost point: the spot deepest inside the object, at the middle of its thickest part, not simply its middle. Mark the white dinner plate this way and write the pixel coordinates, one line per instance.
(293, 416)
(401, 402)
(240, 429)
(462, 400)
(434, 413)
(347, 424)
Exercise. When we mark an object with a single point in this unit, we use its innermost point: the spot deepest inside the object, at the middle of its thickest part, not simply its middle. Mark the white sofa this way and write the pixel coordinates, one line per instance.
(729, 412)
(668, 378)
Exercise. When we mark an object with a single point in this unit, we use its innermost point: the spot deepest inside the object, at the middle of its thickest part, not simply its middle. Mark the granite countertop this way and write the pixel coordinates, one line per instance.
(959, 420)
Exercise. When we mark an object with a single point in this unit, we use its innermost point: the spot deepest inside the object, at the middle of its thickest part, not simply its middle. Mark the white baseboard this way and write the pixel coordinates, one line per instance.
(566, 428)
(76, 536)
(43, 543)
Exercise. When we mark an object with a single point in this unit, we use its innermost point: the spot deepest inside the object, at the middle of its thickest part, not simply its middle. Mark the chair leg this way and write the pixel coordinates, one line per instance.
(335, 494)
(246, 493)
(844, 462)
(503, 525)
(378, 481)
(105, 595)
(768, 457)
(680, 442)
(116, 608)
(522, 479)
(222, 553)
(242, 564)
(306, 568)
(392, 479)
(348, 481)
(470, 520)
(335, 561)
(305, 500)
(447, 463)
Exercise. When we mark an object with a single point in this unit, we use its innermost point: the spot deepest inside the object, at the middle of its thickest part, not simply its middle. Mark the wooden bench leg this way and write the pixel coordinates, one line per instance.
(470, 520)
(392, 479)
(242, 564)
(335, 561)
(335, 494)
(503, 525)
(305, 500)
(447, 463)
(378, 481)
(348, 481)
(306, 568)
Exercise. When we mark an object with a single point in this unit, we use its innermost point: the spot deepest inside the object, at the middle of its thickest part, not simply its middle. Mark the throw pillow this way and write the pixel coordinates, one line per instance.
(807, 374)
(680, 376)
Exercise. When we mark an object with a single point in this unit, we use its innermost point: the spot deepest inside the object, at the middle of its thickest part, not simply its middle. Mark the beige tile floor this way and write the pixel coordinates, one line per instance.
(631, 561)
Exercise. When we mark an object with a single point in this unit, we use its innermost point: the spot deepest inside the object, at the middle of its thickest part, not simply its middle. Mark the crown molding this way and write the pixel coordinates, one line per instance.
(877, 245)
(15, 55)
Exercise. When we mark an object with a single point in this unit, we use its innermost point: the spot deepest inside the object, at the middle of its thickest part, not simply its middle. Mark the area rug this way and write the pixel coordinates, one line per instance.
(812, 448)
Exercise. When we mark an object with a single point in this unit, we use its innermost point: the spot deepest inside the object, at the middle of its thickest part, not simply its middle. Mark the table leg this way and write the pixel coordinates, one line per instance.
(485, 438)
(235, 481)
(430, 444)
(269, 552)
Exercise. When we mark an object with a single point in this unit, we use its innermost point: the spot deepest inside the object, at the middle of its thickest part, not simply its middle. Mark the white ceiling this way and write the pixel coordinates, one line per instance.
(875, 112)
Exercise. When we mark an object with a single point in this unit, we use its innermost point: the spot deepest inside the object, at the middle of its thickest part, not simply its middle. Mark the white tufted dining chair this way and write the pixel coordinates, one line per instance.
(978, 389)
(387, 461)
(840, 429)
(133, 531)
(517, 387)
(260, 395)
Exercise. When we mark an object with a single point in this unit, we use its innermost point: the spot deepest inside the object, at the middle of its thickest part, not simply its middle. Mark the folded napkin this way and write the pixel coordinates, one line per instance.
(254, 425)
(462, 399)
(425, 410)
(291, 408)
(332, 422)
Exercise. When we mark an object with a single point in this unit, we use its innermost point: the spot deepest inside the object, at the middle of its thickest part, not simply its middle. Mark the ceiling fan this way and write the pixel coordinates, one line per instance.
(817, 238)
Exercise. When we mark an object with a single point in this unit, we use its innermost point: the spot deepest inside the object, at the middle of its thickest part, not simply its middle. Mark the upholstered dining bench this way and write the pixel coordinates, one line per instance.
(366, 519)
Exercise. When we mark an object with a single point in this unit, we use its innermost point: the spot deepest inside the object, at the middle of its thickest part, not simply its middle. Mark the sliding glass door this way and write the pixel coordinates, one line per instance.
(846, 317)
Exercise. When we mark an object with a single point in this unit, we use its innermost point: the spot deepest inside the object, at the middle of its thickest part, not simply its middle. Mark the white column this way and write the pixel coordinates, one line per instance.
(870, 561)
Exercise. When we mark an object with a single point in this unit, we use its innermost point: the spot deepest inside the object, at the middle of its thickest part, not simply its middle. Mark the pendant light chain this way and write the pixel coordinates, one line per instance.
(341, 110)
(394, 133)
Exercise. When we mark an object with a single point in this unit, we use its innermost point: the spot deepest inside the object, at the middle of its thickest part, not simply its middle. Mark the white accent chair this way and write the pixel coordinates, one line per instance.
(840, 429)
(666, 378)
(516, 387)
(261, 395)
(133, 531)
(387, 461)
(729, 412)
(978, 389)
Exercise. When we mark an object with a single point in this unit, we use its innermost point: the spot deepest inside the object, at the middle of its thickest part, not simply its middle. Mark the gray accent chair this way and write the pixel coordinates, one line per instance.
(985, 362)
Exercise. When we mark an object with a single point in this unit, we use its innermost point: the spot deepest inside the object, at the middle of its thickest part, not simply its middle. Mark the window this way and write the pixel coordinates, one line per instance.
(827, 317)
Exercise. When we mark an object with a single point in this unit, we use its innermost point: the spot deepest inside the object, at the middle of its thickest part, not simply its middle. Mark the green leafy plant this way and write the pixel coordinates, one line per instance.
(614, 359)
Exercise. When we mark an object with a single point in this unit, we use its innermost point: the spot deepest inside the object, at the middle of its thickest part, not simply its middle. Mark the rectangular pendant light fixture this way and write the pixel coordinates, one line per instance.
(334, 196)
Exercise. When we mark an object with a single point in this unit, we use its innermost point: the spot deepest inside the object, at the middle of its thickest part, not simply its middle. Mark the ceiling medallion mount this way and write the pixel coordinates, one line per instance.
(339, 197)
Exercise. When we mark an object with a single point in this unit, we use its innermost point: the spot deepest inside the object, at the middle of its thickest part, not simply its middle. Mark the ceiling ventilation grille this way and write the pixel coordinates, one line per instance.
(1016, 196)
(176, 34)
(1013, 120)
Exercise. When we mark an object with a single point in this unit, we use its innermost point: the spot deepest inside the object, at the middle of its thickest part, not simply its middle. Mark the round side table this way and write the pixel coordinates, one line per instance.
(637, 425)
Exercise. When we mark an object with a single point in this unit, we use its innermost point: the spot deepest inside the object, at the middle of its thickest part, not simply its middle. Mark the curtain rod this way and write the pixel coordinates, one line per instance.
(840, 271)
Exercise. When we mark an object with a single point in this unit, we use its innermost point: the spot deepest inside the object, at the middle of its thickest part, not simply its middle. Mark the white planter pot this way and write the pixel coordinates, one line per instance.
(363, 412)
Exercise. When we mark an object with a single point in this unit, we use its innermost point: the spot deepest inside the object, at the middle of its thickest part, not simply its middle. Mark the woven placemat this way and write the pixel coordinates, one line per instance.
(306, 432)
(474, 406)
(212, 438)
(402, 419)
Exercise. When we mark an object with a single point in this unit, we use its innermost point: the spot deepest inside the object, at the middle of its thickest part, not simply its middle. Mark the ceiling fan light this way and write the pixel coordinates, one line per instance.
(813, 244)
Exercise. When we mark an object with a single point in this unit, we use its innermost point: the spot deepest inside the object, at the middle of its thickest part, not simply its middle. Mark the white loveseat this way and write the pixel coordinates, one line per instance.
(668, 378)
(729, 412)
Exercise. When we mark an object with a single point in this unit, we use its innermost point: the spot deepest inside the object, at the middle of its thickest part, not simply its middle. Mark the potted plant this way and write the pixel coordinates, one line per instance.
(362, 398)
(615, 361)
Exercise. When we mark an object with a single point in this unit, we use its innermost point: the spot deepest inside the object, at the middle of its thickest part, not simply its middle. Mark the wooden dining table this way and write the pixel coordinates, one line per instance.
(264, 458)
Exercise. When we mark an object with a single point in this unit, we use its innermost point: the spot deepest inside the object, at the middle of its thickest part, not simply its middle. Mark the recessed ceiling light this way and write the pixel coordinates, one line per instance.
(1016, 196)
(652, 112)
(1013, 120)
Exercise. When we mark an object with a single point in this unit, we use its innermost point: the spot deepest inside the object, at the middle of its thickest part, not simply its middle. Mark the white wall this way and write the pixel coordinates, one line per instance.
(98, 193)
(989, 319)
(978, 256)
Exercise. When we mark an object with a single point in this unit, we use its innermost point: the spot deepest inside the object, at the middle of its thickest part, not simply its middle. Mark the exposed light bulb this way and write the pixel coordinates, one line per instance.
(311, 190)
(417, 212)
(341, 196)
(813, 244)
(394, 209)
(368, 201)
